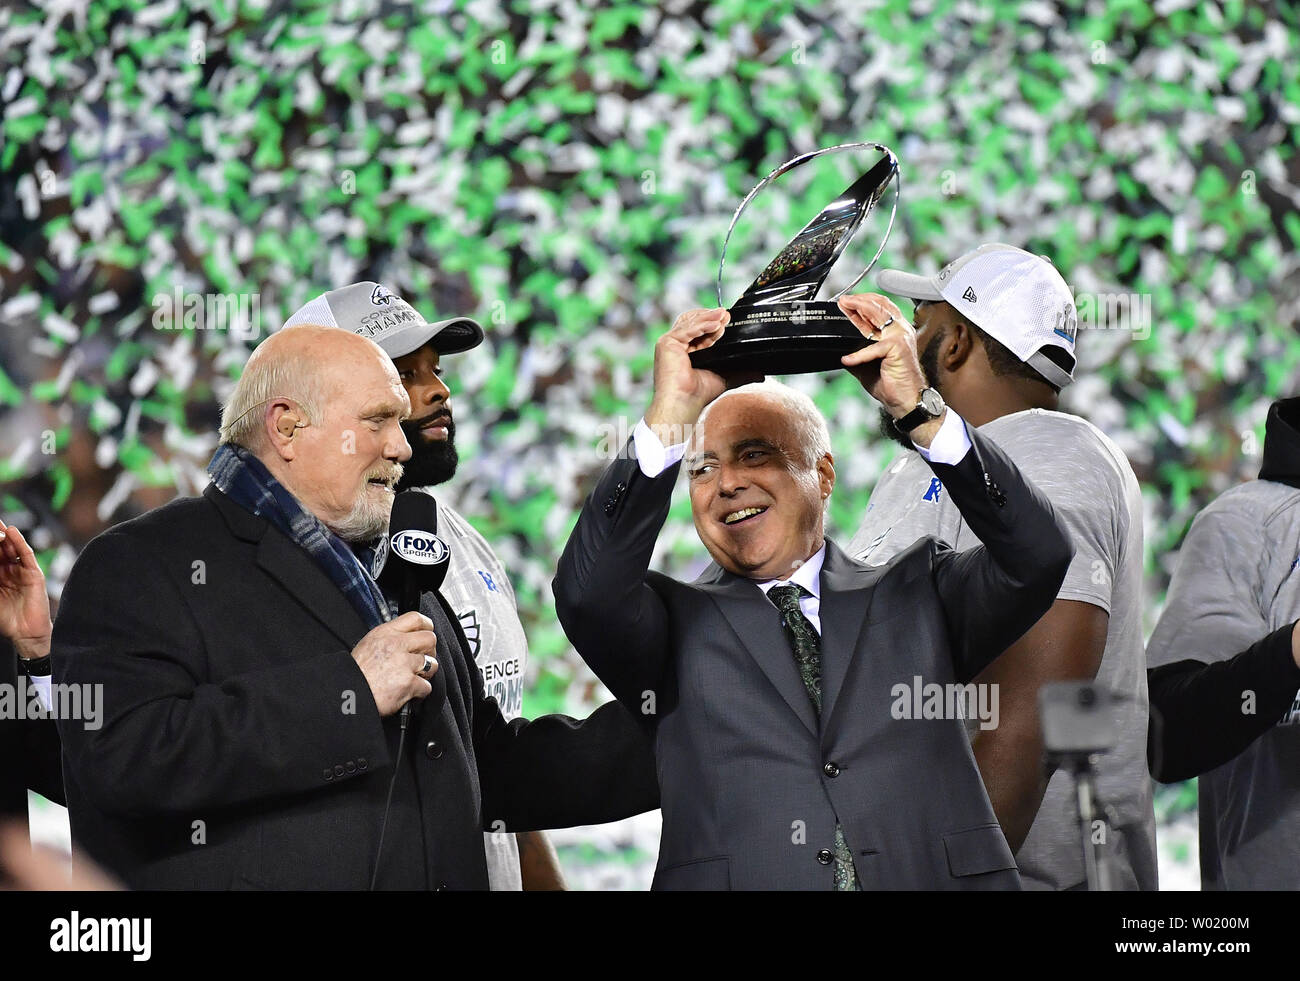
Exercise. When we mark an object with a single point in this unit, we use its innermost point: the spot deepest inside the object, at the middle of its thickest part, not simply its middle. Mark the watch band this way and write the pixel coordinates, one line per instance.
(921, 414)
(913, 419)
(36, 667)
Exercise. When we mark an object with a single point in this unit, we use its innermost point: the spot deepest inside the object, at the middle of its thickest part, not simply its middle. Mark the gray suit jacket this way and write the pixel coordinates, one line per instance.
(752, 783)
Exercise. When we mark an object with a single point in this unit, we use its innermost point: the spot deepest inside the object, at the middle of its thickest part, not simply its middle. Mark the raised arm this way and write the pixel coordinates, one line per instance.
(24, 643)
(613, 618)
(611, 615)
(991, 594)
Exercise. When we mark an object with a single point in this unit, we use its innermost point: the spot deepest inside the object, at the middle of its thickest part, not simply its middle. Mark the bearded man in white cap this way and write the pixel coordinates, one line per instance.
(996, 331)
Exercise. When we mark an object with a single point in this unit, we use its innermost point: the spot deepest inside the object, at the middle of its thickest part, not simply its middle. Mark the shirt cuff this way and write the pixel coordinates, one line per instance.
(651, 454)
(950, 444)
(42, 686)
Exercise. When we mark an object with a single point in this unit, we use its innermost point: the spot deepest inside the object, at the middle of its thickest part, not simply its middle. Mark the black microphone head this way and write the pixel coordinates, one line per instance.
(414, 548)
(417, 562)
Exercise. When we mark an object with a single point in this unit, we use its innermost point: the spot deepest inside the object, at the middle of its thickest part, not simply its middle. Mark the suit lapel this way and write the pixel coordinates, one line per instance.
(291, 566)
(847, 591)
(758, 624)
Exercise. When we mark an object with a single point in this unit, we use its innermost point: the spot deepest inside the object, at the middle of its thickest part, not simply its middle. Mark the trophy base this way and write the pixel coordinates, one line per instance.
(783, 339)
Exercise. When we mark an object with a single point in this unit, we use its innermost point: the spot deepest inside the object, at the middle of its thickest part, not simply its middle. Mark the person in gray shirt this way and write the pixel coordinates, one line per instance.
(996, 330)
(1234, 718)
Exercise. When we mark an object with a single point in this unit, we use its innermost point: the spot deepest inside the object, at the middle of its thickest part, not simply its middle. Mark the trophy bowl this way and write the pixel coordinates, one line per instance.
(778, 327)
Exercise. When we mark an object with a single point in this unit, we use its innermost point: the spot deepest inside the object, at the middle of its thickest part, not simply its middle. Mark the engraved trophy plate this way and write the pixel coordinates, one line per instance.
(778, 327)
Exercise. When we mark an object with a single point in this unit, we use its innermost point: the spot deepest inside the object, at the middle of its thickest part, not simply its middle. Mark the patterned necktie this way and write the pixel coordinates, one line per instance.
(807, 646)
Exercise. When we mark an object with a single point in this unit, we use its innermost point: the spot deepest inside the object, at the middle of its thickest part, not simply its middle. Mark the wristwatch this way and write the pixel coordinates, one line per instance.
(36, 667)
(930, 407)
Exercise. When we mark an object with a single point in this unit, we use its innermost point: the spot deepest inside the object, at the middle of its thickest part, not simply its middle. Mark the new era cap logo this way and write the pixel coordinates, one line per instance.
(969, 295)
(380, 296)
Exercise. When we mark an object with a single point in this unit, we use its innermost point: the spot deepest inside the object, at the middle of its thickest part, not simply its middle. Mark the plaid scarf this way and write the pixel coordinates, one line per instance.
(245, 480)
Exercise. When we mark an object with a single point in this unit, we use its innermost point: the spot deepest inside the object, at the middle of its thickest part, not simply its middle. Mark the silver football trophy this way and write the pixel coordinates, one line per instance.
(778, 327)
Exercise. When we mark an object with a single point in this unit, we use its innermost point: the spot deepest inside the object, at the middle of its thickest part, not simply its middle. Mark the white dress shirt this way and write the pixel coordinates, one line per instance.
(44, 690)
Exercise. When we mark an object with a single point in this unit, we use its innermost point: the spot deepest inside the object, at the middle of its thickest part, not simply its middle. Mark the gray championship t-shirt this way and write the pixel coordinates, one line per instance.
(1237, 581)
(479, 590)
(1096, 495)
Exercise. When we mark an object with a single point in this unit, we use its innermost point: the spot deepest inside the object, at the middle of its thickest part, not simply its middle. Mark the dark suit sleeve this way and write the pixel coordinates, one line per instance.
(39, 752)
(995, 592)
(613, 618)
(1197, 717)
(168, 742)
(556, 771)
(32, 745)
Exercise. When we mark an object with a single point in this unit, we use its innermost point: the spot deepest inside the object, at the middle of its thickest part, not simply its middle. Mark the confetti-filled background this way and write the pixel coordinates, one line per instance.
(565, 172)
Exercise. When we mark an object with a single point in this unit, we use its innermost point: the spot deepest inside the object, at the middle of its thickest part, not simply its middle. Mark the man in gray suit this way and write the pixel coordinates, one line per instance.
(785, 684)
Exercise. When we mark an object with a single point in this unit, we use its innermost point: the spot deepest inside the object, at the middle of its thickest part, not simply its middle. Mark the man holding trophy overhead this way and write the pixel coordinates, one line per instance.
(771, 680)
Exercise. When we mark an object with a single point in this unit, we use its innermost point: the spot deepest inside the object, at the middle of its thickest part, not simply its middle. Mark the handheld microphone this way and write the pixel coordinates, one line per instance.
(417, 562)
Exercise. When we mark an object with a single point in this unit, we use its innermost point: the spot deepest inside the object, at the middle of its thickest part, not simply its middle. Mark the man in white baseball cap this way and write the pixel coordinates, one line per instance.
(996, 332)
(1014, 296)
(477, 584)
(376, 312)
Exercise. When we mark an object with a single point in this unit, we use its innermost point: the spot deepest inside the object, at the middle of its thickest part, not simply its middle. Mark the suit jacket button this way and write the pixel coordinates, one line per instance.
(831, 770)
(433, 750)
(609, 506)
(825, 856)
(351, 766)
(338, 770)
(329, 774)
(362, 763)
(618, 491)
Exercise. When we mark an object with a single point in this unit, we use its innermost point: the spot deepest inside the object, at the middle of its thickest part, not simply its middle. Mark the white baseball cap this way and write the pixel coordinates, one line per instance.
(1016, 297)
(376, 312)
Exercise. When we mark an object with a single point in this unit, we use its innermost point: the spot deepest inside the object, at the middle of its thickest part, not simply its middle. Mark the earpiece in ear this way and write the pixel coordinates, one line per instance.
(287, 424)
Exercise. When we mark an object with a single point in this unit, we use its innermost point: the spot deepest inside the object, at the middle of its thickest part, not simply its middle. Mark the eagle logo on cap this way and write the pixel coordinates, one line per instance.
(380, 296)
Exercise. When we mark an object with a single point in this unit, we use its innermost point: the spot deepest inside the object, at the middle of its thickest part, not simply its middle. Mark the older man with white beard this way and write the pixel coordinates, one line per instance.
(252, 670)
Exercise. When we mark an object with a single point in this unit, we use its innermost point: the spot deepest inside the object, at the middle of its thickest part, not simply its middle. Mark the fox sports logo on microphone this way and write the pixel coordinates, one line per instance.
(421, 547)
